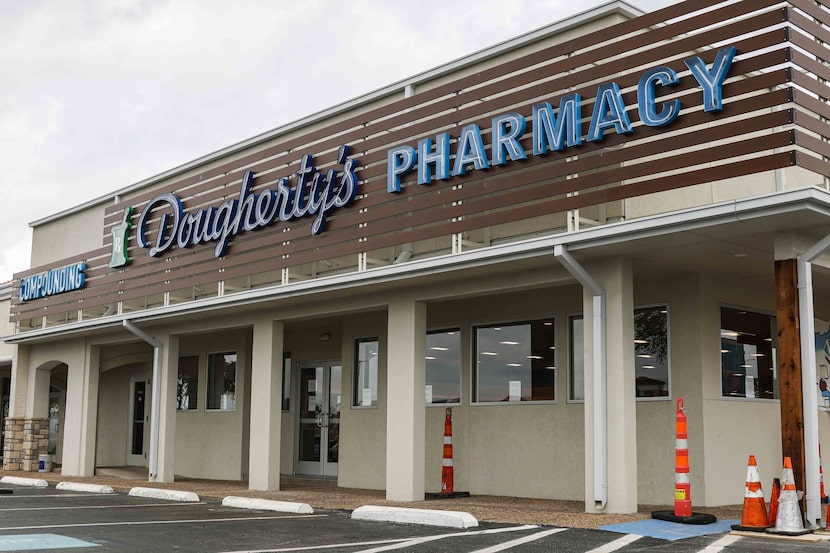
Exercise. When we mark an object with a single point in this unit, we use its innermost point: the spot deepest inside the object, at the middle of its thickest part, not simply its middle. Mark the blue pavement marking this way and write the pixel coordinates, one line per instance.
(670, 530)
(33, 542)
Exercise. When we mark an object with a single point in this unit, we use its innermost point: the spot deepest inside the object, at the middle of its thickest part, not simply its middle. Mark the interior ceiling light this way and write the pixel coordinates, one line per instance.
(489, 353)
(510, 343)
(438, 348)
(640, 341)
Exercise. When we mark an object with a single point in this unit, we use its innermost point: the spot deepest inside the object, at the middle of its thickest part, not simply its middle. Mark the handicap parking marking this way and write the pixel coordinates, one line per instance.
(35, 542)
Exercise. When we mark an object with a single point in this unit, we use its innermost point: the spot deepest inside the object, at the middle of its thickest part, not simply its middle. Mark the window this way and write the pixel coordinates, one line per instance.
(187, 383)
(514, 362)
(286, 382)
(221, 385)
(443, 367)
(747, 354)
(576, 359)
(651, 351)
(366, 373)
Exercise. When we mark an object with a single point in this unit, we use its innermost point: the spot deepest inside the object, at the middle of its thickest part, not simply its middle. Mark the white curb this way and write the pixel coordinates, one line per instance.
(81, 487)
(169, 495)
(27, 482)
(267, 505)
(429, 517)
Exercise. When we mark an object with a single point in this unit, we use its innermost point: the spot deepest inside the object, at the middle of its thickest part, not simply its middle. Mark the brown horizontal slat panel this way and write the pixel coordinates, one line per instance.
(809, 7)
(352, 233)
(814, 164)
(813, 144)
(815, 49)
(609, 69)
(809, 103)
(817, 126)
(809, 26)
(585, 162)
(812, 85)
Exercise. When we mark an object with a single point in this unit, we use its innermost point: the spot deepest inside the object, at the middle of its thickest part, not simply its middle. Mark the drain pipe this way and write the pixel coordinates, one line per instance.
(155, 406)
(809, 378)
(599, 368)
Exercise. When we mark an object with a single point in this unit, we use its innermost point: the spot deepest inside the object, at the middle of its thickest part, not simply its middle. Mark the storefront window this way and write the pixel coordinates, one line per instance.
(443, 367)
(748, 354)
(651, 354)
(221, 389)
(187, 383)
(515, 362)
(651, 351)
(576, 360)
(366, 373)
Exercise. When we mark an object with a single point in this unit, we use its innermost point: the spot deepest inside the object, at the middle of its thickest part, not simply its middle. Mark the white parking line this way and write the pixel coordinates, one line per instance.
(513, 543)
(20, 509)
(150, 522)
(616, 544)
(407, 541)
(718, 546)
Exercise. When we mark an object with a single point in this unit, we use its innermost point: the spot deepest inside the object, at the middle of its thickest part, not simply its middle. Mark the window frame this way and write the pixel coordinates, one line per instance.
(473, 343)
(208, 381)
(354, 404)
(669, 396)
(460, 368)
(773, 349)
(572, 317)
(198, 383)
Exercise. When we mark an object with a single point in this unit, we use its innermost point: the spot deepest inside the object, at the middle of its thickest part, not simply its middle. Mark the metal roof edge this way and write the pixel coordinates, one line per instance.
(620, 7)
(693, 218)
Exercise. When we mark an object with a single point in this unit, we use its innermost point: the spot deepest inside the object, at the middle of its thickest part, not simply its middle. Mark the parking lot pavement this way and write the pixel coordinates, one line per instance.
(52, 520)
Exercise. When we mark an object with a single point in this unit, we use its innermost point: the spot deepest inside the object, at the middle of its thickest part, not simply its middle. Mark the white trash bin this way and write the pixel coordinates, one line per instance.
(44, 463)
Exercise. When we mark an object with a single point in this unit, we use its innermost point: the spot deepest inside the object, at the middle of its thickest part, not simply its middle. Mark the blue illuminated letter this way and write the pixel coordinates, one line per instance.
(555, 133)
(609, 111)
(507, 141)
(712, 81)
(440, 157)
(399, 161)
(646, 95)
(470, 150)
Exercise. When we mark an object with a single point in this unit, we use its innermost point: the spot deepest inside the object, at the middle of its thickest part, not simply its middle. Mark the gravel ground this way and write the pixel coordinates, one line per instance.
(324, 494)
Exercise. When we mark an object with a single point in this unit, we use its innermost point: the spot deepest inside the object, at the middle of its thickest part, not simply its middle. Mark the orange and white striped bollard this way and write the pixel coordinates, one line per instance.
(446, 465)
(682, 483)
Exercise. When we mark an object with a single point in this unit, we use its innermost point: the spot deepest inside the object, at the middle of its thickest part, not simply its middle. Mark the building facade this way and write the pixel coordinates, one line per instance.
(558, 237)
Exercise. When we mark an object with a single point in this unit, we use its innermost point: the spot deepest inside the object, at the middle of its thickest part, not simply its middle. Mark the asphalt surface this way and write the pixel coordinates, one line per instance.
(52, 520)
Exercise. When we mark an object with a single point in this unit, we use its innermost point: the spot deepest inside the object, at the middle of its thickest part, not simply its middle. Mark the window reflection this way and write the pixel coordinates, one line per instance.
(443, 367)
(747, 354)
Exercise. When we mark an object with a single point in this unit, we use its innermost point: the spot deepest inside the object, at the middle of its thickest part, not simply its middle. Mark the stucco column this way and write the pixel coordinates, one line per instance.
(168, 372)
(81, 421)
(405, 410)
(266, 409)
(20, 382)
(615, 277)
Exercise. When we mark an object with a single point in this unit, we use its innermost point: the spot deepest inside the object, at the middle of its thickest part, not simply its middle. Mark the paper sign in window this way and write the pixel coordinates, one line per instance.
(515, 390)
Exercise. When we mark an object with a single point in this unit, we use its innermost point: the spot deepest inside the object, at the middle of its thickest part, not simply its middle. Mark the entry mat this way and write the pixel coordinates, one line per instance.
(665, 530)
(34, 542)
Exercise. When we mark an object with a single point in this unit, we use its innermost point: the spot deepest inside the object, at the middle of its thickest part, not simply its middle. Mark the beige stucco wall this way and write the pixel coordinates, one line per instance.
(210, 444)
(68, 237)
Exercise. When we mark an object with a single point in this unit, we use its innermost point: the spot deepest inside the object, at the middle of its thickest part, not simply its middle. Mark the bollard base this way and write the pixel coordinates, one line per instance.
(696, 518)
(452, 495)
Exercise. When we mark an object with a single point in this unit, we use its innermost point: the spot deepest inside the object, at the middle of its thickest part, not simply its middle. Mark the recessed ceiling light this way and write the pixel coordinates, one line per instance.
(514, 364)
(740, 254)
(437, 348)
(489, 353)
(430, 358)
(510, 343)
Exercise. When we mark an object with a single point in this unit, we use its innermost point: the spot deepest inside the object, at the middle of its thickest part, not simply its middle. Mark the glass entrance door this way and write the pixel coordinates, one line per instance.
(139, 423)
(318, 435)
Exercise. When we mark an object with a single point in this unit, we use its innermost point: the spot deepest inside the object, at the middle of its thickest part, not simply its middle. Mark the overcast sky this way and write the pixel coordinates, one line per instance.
(100, 94)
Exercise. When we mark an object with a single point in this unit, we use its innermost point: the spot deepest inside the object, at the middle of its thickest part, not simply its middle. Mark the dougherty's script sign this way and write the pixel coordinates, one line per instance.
(316, 194)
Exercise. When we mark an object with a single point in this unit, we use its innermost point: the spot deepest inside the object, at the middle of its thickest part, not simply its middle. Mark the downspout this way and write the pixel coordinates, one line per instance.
(155, 407)
(809, 378)
(599, 368)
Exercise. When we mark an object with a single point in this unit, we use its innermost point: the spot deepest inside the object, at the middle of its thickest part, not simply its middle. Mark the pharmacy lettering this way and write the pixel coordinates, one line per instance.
(316, 194)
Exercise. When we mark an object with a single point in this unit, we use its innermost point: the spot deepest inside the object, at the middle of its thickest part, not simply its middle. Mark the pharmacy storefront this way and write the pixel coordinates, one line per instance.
(557, 237)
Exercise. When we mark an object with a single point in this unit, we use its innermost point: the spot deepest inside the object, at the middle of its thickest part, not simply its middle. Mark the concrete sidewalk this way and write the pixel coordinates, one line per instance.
(323, 493)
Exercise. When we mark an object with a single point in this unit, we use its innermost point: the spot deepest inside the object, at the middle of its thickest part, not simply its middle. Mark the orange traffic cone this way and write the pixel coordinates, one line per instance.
(821, 488)
(447, 475)
(788, 520)
(754, 517)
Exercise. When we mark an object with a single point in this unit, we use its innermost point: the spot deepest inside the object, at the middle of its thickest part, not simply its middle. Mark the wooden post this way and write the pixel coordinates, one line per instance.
(789, 368)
